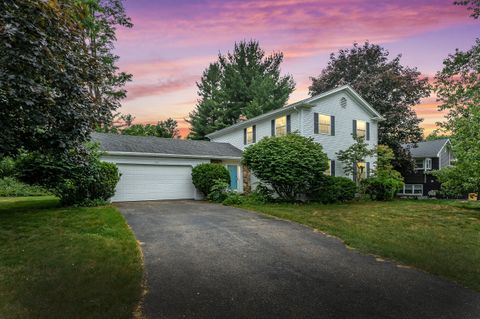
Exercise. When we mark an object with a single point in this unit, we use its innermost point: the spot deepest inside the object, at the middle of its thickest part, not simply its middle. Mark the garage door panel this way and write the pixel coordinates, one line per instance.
(154, 182)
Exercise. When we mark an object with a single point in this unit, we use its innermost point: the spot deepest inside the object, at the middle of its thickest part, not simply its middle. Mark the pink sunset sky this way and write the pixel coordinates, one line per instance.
(173, 41)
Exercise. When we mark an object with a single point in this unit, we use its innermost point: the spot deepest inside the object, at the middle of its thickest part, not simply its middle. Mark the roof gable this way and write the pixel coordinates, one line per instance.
(426, 148)
(305, 103)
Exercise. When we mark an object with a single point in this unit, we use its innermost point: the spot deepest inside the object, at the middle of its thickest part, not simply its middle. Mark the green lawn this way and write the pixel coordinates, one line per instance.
(66, 262)
(440, 237)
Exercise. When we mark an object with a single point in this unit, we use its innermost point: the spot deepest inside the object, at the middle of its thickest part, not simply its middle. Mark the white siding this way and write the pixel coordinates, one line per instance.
(303, 123)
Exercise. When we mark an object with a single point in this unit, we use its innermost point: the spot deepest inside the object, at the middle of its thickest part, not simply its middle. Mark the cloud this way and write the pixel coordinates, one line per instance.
(161, 87)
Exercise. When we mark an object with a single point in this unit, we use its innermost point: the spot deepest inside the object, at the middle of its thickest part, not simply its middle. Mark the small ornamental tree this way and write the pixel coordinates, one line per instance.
(356, 153)
(207, 175)
(292, 165)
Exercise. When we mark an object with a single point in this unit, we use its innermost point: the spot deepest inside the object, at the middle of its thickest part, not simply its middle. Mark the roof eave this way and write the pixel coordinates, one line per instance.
(141, 154)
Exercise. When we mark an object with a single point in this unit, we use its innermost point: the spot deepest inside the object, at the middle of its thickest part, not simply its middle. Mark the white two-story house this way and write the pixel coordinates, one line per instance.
(332, 119)
(156, 168)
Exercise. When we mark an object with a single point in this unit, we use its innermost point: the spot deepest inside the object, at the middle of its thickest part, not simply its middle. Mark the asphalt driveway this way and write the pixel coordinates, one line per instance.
(210, 261)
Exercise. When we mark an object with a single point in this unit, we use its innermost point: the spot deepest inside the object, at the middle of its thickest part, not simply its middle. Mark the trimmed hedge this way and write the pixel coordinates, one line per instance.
(205, 176)
(334, 189)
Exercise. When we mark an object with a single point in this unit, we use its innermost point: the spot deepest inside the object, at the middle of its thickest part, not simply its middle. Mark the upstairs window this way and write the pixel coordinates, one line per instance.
(281, 126)
(419, 163)
(428, 163)
(361, 129)
(423, 164)
(325, 124)
(250, 138)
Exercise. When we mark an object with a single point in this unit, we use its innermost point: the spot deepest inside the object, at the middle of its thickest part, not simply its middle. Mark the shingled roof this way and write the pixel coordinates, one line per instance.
(426, 148)
(166, 146)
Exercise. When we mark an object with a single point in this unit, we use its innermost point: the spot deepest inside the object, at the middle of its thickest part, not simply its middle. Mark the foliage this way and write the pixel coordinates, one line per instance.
(233, 198)
(218, 191)
(240, 85)
(261, 194)
(382, 187)
(457, 87)
(7, 167)
(472, 5)
(354, 154)
(11, 187)
(58, 77)
(455, 182)
(167, 128)
(391, 88)
(89, 258)
(78, 179)
(334, 189)
(205, 176)
(290, 164)
(426, 234)
(119, 121)
(436, 135)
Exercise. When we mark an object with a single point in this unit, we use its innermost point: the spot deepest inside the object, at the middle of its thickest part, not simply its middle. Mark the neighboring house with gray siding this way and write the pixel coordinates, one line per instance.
(428, 156)
(331, 119)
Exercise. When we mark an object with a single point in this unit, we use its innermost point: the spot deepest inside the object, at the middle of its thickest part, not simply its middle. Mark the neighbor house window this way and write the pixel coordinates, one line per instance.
(361, 129)
(325, 124)
(250, 137)
(419, 163)
(412, 189)
(428, 163)
(281, 126)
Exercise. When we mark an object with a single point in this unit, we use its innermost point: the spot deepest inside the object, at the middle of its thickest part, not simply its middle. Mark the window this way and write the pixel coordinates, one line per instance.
(412, 189)
(361, 170)
(250, 138)
(281, 126)
(361, 129)
(324, 124)
(419, 163)
(328, 171)
(428, 163)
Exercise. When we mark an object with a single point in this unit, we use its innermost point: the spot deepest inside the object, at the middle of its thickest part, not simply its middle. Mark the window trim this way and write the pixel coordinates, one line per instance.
(414, 187)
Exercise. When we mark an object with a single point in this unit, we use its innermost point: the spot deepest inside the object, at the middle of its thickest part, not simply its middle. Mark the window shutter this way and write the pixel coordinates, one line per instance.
(254, 128)
(354, 133)
(315, 123)
(289, 126)
(332, 125)
(355, 172)
(273, 127)
(332, 168)
(368, 169)
(244, 136)
(368, 132)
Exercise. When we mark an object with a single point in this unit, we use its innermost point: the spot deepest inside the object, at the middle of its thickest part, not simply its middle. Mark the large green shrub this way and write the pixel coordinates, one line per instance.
(10, 187)
(204, 176)
(7, 167)
(382, 187)
(334, 189)
(77, 178)
(291, 164)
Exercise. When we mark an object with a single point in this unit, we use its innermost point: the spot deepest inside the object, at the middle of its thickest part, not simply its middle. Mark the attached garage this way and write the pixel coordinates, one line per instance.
(155, 168)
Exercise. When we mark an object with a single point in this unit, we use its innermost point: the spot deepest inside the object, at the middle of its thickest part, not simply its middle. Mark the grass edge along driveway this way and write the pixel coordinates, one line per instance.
(58, 262)
(440, 237)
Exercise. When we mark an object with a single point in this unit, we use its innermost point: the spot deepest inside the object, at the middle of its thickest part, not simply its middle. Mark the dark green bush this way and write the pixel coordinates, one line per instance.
(382, 188)
(10, 187)
(290, 164)
(76, 178)
(334, 189)
(7, 167)
(204, 176)
(218, 192)
(233, 198)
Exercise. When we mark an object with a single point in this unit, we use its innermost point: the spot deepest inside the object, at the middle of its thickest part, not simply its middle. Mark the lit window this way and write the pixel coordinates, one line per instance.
(250, 135)
(281, 126)
(328, 171)
(361, 170)
(361, 129)
(325, 125)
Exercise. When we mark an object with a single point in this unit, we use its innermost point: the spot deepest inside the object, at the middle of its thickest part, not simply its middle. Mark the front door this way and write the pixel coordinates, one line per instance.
(232, 169)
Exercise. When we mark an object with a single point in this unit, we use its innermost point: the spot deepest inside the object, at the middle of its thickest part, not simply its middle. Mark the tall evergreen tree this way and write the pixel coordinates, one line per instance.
(391, 88)
(240, 85)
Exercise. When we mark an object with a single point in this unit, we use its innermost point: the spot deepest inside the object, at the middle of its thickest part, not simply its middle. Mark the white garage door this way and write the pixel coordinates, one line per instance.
(154, 182)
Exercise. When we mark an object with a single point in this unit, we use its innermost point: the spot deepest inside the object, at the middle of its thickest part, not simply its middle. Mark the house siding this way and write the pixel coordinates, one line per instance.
(302, 122)
(445, 156)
